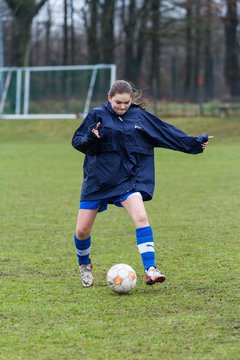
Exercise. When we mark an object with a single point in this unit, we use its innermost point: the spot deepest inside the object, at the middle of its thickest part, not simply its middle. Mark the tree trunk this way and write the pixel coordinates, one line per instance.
(65, 33)
(129, 28)
(142, 39)
(72, 57)
(208, 58)
(1, 42)
(21, 41)
(48, 36)
(154, 76)
(136, 37)
(107, 31)
(23, 14)
(232, 69)
(189, 44)
(91, 21)
(197, 80)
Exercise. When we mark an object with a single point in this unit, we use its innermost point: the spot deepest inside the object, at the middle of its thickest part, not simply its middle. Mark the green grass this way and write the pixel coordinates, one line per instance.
(46, 314)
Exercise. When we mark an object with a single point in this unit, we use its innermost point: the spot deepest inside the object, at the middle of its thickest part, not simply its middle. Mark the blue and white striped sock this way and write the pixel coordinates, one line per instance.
(145, 243)
(83, 250)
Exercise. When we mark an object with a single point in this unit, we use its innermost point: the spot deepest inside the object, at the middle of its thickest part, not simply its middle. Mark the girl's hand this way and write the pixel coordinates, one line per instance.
(203, 145)
(95, 130)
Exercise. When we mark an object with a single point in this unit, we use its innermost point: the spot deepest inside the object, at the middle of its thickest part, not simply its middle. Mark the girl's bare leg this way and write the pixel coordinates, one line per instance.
(135, 208)
(85, 221)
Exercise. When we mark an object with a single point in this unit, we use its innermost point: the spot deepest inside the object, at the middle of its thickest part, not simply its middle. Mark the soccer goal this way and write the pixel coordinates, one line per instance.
(53, 92)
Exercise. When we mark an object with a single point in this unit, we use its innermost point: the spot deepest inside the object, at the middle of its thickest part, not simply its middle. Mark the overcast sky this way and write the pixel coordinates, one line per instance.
(57, 9)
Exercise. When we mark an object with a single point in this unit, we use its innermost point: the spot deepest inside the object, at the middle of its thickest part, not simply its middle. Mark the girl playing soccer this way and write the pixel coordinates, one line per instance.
(118, 140)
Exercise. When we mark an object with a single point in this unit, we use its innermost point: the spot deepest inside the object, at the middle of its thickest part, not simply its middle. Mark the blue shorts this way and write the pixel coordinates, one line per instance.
(102, 204)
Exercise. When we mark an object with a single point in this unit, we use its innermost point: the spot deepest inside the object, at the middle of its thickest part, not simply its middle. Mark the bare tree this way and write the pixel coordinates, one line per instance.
(155, 37)
(68, 54)
(142, 39)
(129, 22)
(232, 68)
(189, 46)
(65, 32)
(1, 38)
(73, 40)
(194, 43)
(48, 35)
(107, 31)
(208, 57)
(23, 13)
(198, 42)
(90, 13)
(134, 20)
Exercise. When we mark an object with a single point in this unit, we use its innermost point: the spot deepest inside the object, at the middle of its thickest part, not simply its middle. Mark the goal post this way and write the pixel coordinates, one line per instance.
(53, 92)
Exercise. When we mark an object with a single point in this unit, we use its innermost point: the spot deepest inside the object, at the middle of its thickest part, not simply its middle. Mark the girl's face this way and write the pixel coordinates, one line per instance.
(120, 103)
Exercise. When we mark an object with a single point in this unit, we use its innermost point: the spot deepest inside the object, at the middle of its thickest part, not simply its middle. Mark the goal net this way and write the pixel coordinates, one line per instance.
(53, 91)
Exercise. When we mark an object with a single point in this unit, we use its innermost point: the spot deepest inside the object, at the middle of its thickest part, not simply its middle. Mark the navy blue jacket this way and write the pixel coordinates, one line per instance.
(123, 158)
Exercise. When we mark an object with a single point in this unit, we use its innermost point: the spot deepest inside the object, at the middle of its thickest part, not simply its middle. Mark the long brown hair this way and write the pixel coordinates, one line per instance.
(124, 87)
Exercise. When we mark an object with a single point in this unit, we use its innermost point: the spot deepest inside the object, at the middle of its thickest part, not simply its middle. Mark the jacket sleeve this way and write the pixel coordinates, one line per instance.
(83, 139)
(168, 136)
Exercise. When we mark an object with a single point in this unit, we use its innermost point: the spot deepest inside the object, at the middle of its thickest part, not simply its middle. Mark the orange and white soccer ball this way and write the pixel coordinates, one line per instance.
(121, 278)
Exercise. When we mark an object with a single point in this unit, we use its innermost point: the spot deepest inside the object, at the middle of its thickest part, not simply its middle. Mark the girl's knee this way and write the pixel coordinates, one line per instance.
(82, 233)
(85, 222)
(141, 219)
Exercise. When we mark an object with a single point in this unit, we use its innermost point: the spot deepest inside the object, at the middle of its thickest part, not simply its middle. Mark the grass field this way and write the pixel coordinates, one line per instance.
(195, 214)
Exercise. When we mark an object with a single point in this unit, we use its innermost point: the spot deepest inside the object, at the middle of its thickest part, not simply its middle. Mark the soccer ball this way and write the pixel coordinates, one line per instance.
(121, 278)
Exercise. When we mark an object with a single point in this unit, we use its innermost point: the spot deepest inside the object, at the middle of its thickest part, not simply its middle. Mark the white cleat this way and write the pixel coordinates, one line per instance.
(154, 276)
(86, 274)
